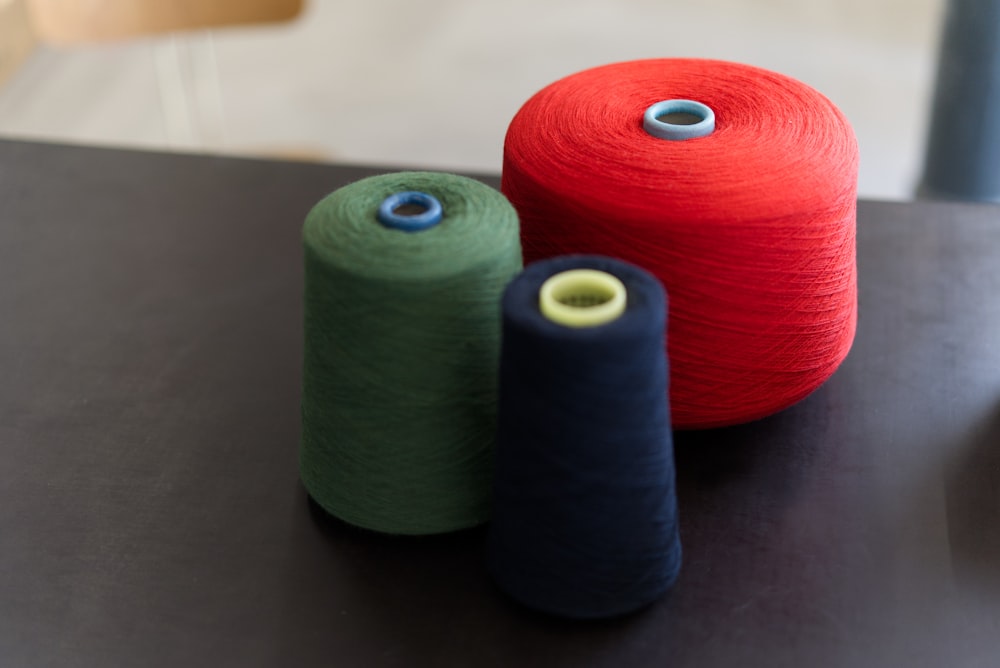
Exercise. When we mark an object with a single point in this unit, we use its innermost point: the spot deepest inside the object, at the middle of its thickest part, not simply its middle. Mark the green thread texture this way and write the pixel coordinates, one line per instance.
(402, 339)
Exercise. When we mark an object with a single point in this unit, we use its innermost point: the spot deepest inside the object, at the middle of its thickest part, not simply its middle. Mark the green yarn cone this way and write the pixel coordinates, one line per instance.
(402, 339)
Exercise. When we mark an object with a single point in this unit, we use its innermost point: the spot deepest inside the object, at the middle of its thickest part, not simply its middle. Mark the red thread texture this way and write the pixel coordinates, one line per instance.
(751, 229)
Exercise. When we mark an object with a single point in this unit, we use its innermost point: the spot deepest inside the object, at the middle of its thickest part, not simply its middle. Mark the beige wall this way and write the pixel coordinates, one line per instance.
(434, 83)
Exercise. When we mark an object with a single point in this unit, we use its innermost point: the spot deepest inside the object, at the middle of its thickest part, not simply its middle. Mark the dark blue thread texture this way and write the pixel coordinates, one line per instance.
(584, 520)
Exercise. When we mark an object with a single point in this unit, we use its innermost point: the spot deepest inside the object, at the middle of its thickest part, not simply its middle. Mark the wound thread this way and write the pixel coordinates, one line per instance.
(401, 353)
(750, 228)
(584, 514)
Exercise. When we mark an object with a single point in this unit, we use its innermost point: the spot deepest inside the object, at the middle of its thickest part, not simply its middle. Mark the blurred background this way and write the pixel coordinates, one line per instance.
(434, 83)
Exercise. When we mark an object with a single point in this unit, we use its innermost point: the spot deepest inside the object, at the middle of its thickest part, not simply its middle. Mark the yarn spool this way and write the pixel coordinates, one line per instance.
(584, 513)
(750, 226)
(403, 278)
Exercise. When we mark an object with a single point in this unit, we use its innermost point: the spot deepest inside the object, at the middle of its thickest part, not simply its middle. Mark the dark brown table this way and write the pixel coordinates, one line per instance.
(151, 514)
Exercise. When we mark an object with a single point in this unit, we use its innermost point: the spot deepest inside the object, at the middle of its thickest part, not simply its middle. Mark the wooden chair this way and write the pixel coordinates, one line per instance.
(69, 22)
(185, 61)
(17, 39)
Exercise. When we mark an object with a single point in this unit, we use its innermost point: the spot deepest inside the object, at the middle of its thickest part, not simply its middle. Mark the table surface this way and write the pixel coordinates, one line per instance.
(151, 513)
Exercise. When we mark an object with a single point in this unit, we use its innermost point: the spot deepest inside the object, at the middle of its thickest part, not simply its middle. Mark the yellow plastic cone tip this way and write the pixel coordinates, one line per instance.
(582, 298)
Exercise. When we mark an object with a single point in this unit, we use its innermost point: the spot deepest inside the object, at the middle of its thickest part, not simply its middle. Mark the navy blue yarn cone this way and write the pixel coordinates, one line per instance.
(584, 520)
